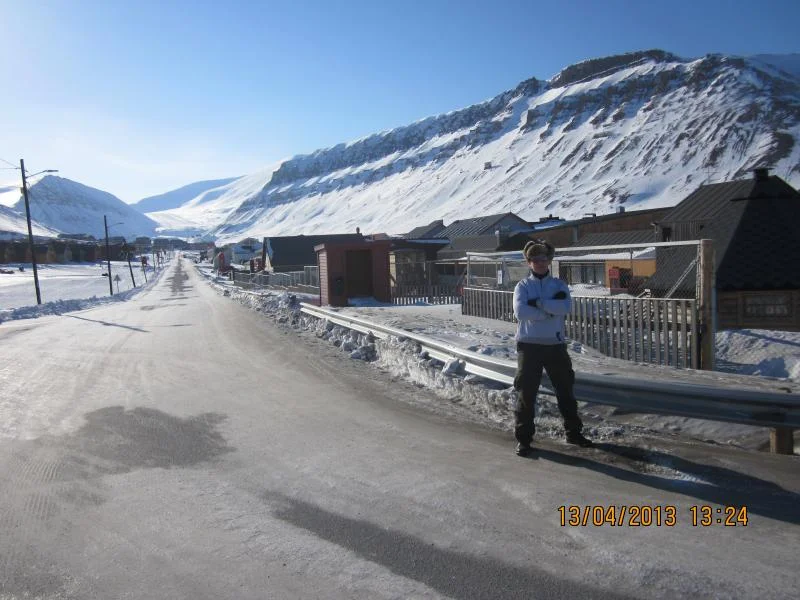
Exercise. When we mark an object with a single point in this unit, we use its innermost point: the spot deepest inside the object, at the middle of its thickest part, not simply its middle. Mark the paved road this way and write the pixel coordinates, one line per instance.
(180, 445)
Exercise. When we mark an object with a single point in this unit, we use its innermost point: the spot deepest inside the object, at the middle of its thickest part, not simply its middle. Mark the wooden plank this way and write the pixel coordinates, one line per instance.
(684, 336)
(781, 440)
(649, 326)
(674, 333)
(695, 344)
(641, 328)
(602, 305)
(618, 327)
(631, 328)
(657, 332)
(705, 295)
(625, 350)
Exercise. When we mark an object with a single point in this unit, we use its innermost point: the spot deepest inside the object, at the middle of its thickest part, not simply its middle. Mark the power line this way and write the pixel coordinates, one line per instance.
(9, 163)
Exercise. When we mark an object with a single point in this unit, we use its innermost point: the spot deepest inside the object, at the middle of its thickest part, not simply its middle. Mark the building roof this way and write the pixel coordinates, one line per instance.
(753, 225)
(610, 238)
(458, 247)
(708, 201)
(298, 250)
(612, 216)
(425, 231)
(477, 226)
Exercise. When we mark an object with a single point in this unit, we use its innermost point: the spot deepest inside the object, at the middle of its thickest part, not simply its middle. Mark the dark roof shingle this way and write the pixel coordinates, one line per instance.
(477, 226)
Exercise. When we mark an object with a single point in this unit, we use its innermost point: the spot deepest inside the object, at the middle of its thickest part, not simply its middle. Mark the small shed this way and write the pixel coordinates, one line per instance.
(358, 269)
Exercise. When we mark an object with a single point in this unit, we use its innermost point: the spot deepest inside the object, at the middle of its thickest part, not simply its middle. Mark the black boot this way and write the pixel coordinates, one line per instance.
(524, 449)
(576, 438)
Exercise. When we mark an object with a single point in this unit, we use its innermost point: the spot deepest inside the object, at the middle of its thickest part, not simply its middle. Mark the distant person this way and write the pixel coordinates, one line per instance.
(541, 303)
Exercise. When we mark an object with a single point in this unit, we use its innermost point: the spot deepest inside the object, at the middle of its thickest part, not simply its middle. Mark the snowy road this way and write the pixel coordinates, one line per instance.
(179, 445)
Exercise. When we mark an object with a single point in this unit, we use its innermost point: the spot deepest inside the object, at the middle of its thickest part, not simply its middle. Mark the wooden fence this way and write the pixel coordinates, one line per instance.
(293, 281)
(405, 295)
(648, 330)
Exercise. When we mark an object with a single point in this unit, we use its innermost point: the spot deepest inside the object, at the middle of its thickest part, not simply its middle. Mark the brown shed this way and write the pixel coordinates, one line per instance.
(353, 270)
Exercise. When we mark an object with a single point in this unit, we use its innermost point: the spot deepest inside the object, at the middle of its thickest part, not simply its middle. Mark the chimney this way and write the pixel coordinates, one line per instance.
(620, 209)
(761, 174)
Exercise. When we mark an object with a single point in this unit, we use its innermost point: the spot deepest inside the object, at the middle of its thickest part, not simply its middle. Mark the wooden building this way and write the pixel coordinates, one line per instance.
(572, 233)
(754, 225)
(356, 269)
(281, 254)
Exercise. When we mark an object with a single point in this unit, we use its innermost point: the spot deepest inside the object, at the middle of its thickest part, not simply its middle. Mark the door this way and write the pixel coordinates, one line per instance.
(358, 269)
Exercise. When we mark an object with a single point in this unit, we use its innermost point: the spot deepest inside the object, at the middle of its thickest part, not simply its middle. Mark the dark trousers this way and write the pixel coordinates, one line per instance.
(531, 360)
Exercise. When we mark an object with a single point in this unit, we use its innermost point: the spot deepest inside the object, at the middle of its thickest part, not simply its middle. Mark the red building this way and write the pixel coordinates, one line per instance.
(358, 269)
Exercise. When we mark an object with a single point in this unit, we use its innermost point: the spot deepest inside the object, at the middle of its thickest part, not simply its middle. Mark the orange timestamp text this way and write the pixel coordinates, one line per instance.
(645, 515)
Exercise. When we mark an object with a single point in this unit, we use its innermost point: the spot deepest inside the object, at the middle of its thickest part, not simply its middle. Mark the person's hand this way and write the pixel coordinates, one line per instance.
(560, 295)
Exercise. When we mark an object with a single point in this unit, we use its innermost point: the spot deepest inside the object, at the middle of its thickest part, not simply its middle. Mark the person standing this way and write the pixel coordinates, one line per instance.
(541, 303)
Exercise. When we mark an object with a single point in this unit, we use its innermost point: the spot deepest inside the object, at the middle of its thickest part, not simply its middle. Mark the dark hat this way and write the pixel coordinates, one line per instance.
(538, 248)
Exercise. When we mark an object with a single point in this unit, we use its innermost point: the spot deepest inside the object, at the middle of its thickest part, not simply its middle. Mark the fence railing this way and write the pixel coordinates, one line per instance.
(490, 304)
(301, 281)
(404, 295)
(649, 330)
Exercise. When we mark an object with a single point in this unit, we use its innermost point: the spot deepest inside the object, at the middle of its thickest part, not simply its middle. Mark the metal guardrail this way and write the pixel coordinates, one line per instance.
(749, 407)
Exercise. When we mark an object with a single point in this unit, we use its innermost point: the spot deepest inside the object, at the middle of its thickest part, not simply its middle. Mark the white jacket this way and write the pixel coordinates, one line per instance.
(543, 325)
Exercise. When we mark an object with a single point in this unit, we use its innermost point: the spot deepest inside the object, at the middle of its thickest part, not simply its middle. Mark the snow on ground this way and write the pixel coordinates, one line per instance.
(64, 288)
(759, 352)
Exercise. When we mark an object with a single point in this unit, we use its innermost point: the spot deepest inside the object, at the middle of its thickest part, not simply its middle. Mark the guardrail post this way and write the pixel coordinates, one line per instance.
(781, 440)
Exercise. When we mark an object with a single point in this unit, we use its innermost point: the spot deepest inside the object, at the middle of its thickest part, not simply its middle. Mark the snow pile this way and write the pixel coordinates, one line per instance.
(776, 353)
(58, 307)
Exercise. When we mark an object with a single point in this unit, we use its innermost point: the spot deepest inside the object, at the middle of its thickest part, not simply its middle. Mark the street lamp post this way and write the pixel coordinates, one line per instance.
(30, 228)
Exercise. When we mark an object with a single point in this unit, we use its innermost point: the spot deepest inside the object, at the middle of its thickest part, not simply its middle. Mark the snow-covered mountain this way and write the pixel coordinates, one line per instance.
(14, 225)
(203, 213)
(175, 198)
(70, 207)
(639, 130)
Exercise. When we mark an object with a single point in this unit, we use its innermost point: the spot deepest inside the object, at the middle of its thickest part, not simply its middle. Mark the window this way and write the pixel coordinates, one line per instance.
(666, 234)
(767, 305)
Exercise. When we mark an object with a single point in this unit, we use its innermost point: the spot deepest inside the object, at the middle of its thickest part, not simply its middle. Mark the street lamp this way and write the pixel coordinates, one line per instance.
(30, 229)
(108, 254)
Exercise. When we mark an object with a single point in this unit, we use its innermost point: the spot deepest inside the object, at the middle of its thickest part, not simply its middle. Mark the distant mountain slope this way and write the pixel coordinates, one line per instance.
(71, 207)
(15, 225)
(175, 198)
(210, 208)
(640, 130)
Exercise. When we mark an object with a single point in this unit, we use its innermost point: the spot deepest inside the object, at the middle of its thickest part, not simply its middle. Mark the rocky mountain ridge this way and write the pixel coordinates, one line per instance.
(642, 130)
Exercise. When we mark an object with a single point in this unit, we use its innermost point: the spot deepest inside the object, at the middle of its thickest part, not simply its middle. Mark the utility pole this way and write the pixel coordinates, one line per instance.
(108, 258)
(130, 268)
(30, 232)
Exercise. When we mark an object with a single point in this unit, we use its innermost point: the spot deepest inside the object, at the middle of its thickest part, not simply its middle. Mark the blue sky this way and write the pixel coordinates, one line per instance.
(137, 98)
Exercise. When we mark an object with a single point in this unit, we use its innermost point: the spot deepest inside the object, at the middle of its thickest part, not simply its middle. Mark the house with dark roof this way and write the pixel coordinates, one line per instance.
(505, 223)
(293, 252)
(754, 225)
(425, 232)
(412, 262)
(570, 233)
